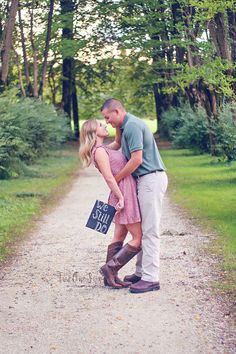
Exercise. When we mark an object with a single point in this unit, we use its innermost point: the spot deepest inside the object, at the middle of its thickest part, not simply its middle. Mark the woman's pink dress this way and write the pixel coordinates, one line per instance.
(131, 213)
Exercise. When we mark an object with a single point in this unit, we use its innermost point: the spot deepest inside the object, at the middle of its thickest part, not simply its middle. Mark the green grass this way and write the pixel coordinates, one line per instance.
(207, 188)
(23, 198)
(151, 123)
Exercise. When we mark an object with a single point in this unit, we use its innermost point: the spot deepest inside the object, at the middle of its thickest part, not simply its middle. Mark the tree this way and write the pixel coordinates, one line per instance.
(173, 37)
(7, 41)
(29, 90)
(68, 80)
(46, 49)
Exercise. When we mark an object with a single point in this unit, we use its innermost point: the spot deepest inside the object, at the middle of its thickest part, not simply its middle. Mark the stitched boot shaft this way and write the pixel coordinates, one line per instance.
(112, 249)
(122, 257)
(110, 269)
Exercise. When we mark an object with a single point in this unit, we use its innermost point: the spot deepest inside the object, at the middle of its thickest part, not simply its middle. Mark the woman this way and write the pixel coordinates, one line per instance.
(123, 197)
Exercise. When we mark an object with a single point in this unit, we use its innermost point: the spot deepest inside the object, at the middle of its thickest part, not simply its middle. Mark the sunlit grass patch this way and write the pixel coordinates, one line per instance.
(22, 199)
(207, 188)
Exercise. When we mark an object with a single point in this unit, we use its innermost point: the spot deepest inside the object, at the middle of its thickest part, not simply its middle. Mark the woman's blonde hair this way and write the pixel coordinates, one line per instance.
(87, 141)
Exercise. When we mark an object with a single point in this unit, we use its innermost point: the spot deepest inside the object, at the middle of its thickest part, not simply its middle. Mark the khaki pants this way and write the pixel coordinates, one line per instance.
(151, 190)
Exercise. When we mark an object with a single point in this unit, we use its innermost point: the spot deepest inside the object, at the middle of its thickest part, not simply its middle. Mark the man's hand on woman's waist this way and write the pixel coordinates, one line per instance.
(135, 161)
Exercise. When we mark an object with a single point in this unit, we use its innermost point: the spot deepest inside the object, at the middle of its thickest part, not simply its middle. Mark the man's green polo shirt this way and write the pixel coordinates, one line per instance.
(135, 135)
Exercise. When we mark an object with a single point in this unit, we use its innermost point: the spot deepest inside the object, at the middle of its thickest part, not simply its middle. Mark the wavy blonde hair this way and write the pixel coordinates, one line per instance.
(88, 137)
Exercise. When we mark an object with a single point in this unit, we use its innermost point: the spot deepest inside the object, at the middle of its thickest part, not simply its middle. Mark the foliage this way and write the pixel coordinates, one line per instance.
(212, 73)
(170, 49)
(172, 120)
(28, 128)
(174, 42)
(224, 130)
(194, 131)
(189, 128)
(206, 9)
(114, 78)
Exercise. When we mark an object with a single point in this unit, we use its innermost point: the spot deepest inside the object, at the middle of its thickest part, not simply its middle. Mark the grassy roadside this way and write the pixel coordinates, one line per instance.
(24, 198)
(207, 189)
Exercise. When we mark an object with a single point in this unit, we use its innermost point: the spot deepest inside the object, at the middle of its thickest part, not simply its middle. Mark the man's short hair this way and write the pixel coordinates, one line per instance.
(112, 103)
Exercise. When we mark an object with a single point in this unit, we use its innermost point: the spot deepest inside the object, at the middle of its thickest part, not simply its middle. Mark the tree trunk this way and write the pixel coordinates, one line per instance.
(1, 34)
(158, 102)
(219, 35)
(35, 56)
(26, 65)
(67, 8)
(211, 101)
(232, 40)
(232, 33)
(177, 17)
(197, 92)
(159, 97)
(52, 83)
(1, 51)
(75, 109)
(47, 42)
(193, 56)
(19, 72)
(67, 85)
(7, 41)
(162, 101)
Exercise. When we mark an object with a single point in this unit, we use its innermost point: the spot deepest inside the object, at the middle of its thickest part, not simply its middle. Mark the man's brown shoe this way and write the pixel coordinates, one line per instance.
(133, 278)
(142, 286)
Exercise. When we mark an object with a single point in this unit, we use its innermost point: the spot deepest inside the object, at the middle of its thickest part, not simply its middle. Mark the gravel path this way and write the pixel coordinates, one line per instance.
(53, 301)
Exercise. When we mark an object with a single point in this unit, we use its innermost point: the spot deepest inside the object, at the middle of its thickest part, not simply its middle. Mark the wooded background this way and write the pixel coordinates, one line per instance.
(153, 55)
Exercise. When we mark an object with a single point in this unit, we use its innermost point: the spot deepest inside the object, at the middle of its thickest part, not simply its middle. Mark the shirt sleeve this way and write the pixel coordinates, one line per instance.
(134, 137)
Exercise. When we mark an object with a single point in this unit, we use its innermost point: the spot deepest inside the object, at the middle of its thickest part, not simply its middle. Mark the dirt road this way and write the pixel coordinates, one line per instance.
(52, 299)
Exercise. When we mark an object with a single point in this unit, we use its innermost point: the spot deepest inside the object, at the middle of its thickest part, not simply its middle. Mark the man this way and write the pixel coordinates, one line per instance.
(145, 164)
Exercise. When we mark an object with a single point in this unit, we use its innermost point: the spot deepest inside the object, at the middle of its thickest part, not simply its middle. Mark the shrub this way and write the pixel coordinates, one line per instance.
(224, 130)
(171, 121)
(194, 133)
(187, 128)
(191, 129)
(28, 129)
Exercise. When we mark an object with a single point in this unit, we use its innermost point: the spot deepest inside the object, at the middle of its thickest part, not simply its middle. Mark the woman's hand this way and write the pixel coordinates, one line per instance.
(120, 205)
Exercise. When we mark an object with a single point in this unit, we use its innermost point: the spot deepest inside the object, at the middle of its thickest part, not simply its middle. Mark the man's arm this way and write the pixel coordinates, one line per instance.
(134, 162)
(115, 145)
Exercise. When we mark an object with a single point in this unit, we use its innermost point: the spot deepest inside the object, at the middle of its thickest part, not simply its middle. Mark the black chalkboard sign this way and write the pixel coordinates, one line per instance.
(101, 217)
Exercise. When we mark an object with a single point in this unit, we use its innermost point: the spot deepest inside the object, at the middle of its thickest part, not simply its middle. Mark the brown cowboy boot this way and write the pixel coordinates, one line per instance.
(112, 249)
(110, 269)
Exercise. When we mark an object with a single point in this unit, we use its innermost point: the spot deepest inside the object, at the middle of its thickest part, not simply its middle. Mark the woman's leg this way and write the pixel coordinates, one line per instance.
(110, 269)
(120, 233)
(136, 233)
(115, 246)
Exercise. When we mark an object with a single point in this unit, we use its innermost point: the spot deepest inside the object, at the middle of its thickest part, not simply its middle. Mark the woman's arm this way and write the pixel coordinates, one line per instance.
(103, 163)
